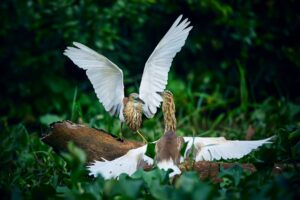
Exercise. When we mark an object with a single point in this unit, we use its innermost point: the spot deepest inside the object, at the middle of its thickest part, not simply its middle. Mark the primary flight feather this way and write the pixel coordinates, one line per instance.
(107, 78)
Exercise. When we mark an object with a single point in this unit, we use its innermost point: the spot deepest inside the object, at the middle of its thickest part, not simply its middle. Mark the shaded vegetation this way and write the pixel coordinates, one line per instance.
(237, 76)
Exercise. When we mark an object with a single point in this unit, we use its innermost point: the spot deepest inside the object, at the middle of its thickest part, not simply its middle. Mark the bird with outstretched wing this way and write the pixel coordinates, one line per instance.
(107, 78)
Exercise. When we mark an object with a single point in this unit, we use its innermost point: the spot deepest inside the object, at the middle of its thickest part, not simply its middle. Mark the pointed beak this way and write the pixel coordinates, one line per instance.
(140, 100)
(160, 93)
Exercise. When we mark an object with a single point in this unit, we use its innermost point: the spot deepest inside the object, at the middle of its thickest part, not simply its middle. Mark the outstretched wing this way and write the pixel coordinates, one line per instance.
(155, 75)
(105, 76)
(127, 164)
(220, 148)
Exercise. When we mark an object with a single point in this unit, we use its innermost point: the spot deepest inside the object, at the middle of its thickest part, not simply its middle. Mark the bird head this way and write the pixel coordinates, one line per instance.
(135, 98)
(168, 100)
(166, 94)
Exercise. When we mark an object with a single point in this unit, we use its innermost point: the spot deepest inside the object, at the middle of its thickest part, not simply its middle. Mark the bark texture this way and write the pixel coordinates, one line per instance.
(96, 143)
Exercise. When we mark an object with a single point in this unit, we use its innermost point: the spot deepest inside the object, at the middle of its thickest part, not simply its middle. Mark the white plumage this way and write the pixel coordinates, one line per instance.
(125, 164)
(169, 164)
(206, 148)
(107, 78)
(155, 75)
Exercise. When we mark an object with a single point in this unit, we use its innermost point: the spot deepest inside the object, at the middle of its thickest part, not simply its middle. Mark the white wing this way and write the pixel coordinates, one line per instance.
(125, 164)
(155, 75)
(105, 76)
(128, 164)
(169, 164)
(220, 148)
(206, 149)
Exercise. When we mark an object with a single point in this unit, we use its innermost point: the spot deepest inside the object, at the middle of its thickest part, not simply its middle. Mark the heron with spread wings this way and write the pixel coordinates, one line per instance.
(107, 78)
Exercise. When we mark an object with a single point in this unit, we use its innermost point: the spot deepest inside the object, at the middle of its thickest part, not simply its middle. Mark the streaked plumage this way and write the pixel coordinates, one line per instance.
(107, 78)
(133, 114)
(168, 147)
(168, 109)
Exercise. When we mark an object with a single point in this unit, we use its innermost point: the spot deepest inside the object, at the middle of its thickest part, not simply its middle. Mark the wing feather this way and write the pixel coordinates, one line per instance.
(105, 76)
(155, 75)
(220, 148)
(127, 164)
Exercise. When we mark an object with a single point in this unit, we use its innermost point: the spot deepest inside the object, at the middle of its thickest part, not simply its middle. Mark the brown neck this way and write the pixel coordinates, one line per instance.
(168, 108)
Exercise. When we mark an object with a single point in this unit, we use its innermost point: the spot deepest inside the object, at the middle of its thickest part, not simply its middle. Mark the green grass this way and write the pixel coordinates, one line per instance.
(31, 169)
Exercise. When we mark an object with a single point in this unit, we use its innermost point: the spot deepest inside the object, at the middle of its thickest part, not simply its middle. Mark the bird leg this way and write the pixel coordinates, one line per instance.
(121, 134)
(144, 139)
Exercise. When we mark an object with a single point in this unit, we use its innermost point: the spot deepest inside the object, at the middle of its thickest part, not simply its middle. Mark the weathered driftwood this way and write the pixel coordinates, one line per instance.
(96, 143)
(99, 144)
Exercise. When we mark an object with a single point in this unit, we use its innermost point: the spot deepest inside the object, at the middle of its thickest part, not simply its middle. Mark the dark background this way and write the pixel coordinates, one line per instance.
(262, 37)
(237, 76)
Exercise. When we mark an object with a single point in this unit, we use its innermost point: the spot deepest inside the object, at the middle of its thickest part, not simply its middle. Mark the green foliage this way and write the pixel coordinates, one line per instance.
(236, 71)
(183, 148)
(150, 150)
(31, 169)
(29, 166)
(243, 87)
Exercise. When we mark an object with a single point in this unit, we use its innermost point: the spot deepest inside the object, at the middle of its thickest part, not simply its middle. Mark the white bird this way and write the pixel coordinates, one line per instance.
(206, 148)
(107, 78)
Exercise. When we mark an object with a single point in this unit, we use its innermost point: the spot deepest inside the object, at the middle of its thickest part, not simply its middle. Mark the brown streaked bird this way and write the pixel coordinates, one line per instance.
(168, 146)
(133, 110)
(107, 78)
(168, 109)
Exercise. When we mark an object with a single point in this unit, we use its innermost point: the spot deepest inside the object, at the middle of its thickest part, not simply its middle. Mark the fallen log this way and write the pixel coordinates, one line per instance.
(99, 144)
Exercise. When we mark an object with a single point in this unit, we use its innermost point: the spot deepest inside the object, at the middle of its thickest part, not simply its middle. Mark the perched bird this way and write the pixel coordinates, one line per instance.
(168, 147)
(107, 78)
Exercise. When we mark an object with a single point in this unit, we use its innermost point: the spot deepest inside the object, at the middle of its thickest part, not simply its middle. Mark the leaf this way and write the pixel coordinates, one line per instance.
(49, 119)
(234, 173)
(183, 148)
(155, 176)
(296, 151)
(130, 187)
(150, 150)
(187, 181)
